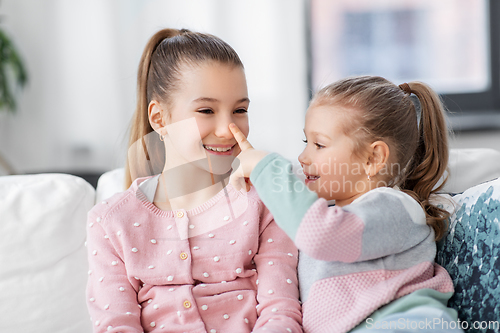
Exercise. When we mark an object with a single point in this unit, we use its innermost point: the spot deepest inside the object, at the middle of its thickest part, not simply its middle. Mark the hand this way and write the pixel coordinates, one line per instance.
(245, 162)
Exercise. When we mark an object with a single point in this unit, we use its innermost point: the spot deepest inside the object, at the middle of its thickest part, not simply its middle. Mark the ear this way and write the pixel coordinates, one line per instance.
(156, 117)
(378, 156)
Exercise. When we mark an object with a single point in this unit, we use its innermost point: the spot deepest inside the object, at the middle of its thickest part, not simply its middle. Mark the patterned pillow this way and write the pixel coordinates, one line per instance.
(471, 254)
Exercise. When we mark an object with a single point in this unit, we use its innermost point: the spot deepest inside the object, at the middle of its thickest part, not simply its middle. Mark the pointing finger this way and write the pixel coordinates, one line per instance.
(240, 137)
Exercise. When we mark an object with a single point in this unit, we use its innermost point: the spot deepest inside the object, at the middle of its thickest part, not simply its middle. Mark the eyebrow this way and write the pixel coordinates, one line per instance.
(214, 100)
(319, 134)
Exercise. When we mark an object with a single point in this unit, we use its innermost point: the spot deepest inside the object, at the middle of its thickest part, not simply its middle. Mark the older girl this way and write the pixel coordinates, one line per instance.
(367, 262)
(180, 251)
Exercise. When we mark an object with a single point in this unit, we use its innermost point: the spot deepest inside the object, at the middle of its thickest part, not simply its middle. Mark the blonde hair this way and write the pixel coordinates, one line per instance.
(381, 110)
(158, 78)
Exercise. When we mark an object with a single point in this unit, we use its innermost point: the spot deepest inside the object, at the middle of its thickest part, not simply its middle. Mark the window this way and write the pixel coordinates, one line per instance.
(450, 44)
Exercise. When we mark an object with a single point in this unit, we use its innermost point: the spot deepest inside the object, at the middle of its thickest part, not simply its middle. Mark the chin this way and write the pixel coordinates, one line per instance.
(221, 165)
(312, 187)
(217, 165)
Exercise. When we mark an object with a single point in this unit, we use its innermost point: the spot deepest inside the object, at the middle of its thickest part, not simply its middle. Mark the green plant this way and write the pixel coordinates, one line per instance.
(12, 73)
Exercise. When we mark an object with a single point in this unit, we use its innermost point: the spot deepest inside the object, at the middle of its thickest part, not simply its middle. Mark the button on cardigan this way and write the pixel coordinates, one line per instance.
(224, 266)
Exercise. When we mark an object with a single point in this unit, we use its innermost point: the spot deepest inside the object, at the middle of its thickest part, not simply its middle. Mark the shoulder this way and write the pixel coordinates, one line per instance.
(386, 193)
(253, 206)
(251, 196)
(255, 200)
(388, 201)
(117, 203)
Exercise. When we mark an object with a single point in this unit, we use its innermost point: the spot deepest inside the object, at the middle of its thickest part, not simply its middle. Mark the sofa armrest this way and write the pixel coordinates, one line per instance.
(43, 259)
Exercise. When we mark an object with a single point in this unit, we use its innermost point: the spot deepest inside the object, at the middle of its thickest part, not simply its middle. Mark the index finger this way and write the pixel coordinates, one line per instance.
(240, 137)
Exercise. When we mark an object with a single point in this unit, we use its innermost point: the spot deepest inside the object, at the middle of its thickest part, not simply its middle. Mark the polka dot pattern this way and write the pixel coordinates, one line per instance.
(226, 260)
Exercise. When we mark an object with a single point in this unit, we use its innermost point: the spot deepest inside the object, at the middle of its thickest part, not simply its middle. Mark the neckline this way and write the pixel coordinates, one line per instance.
(145, 199)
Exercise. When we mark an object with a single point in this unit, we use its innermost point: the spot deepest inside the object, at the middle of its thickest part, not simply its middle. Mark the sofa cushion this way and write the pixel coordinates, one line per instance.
(110, 183)
(471, 254)
(43, 264)
(470, 167)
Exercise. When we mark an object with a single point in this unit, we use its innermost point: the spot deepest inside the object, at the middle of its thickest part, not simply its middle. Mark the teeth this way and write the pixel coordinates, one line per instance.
(217, 149)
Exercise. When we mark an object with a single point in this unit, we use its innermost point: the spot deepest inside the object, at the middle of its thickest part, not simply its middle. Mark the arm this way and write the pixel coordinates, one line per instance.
(279, 309)
(282, 192)
(359, 231)
(290, 200)
(322, 232)
(383, 221)
(275, 181)
(111, 298)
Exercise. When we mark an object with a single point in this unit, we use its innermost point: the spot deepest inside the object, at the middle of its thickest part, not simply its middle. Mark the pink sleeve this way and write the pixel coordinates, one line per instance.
(278, 306)
(330, 233)
(111, 298)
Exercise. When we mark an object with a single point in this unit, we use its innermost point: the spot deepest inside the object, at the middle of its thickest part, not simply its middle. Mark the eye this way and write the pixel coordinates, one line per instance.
(241, 111)
(305, 141)
(319, 146)
(205, 111)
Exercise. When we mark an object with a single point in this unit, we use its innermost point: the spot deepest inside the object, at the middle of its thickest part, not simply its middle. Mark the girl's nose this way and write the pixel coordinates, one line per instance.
(222, 128)
(303, 158)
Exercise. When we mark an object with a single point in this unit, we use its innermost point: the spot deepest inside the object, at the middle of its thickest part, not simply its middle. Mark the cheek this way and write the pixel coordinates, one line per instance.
(186, 139)
(325, 167)
(205, 126)
(243, 125)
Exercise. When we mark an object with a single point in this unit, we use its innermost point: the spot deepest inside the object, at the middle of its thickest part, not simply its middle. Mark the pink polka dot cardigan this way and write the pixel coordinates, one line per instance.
(224, 266)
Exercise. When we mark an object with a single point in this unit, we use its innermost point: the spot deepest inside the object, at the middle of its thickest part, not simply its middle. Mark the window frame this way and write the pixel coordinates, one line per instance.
(489, 100)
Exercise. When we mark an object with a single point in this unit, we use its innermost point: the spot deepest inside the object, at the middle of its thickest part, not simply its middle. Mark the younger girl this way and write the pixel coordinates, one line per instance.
(180, 251)
(366, 262)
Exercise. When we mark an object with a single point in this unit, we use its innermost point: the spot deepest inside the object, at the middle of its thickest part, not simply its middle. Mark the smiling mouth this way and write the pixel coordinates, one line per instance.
(218, 149)
(310, 178)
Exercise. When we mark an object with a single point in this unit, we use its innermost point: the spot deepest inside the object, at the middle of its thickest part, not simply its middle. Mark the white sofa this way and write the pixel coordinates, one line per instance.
(43, 264)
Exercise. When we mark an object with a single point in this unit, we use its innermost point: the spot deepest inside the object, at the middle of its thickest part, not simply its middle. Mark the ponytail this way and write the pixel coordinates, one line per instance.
(140, 126)
(431, 156)
(157, 78)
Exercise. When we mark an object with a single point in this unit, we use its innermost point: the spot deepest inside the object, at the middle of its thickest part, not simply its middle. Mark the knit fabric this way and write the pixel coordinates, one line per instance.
(326, 224)
(356, 258)
(352, 298)
(224, 266)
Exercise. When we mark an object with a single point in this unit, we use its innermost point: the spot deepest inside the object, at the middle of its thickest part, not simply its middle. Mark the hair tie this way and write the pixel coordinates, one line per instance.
(406, 88)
